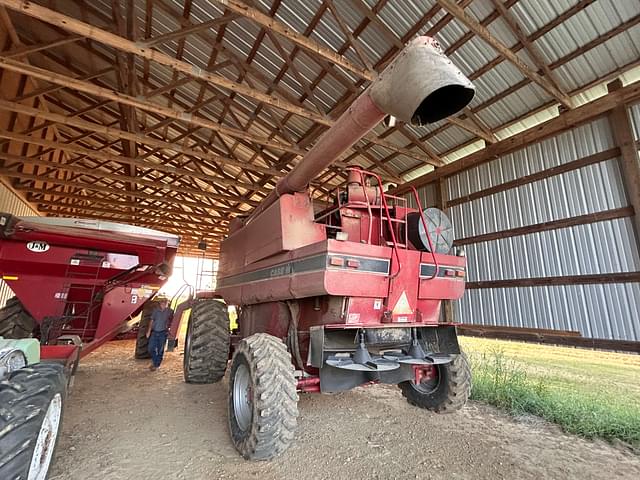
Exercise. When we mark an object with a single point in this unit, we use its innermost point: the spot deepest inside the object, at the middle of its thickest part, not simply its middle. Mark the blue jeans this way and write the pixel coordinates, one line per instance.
(157, 341)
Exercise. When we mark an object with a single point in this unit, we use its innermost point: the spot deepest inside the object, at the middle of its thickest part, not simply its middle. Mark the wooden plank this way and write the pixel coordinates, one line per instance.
(468, 327)
(553, 225)
(535, 177)
(595, 279)
(563, 340)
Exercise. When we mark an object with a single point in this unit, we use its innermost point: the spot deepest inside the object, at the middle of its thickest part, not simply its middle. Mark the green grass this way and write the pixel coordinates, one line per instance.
(589, 393)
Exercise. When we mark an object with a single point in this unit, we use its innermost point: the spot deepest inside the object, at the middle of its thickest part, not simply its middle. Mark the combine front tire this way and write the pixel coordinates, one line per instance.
(15, 321)
(142, 342)
(263, 403)
(445, 393)
(206, 347)
(31, 403)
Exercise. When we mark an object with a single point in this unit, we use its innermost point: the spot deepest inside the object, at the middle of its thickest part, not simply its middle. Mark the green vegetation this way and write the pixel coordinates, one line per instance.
(586, 392)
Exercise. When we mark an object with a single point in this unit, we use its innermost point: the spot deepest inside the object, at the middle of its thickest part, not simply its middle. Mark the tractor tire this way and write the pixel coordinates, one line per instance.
(15, 321)
(206, 347)
(263, 402)
(31, 405)
(445, 394)
(142, 342)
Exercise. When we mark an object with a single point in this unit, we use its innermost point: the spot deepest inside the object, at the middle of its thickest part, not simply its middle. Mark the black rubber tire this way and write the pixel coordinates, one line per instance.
(24, 400)
(15, 321)
(206, 347)
(142, 342)
(274, 402)
(450, 393)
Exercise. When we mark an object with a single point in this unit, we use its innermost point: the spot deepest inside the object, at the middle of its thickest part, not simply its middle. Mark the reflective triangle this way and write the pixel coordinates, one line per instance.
(402, 305)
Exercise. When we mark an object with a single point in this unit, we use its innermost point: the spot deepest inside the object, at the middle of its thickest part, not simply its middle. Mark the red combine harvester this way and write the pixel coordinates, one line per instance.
(78, 281)
(351, 295)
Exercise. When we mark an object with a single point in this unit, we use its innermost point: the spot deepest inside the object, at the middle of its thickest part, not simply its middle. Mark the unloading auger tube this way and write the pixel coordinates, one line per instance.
(421, 85)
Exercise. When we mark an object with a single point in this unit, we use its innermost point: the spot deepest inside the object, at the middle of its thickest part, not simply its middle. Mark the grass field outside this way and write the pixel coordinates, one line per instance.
(591, 393)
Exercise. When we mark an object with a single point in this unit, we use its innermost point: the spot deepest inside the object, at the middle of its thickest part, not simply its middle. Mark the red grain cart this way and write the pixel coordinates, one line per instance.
(78, 281)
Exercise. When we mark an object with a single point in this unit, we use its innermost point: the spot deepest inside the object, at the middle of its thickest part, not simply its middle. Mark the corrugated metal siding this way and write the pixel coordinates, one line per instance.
(11, 203)
(598, 311)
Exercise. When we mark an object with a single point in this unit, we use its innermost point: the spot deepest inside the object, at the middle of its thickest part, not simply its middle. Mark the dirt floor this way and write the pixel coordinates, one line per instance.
(124, 422)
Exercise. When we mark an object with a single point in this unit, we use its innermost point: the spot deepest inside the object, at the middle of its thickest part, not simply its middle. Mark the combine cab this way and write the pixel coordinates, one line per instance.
(348, 296)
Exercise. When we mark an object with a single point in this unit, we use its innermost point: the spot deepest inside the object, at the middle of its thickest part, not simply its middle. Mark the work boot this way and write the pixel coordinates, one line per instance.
(153, 368)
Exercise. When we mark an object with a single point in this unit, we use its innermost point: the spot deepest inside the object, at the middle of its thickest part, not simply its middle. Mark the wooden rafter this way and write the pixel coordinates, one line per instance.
(483, 33)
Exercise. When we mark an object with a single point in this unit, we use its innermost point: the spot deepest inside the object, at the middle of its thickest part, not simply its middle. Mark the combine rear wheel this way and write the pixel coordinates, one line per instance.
(263, 403)
(206, 347)
(446, 392)
(142, 342)
(15, 321)
(31, 403)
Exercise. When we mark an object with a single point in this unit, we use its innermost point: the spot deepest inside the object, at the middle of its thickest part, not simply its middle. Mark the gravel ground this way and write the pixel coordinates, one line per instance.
(124, 422)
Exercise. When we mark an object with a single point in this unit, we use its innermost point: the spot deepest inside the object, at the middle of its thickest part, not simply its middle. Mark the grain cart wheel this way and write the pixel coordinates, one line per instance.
(142, 342)
(263, 403)
(31, 402)
(447, 392)
(15, 321)
(206, 347)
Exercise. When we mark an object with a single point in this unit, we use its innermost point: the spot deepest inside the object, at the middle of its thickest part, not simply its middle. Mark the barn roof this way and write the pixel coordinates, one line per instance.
(180, 114)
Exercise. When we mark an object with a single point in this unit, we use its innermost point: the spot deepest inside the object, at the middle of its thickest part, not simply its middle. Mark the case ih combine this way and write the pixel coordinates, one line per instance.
(77, 284)
(351, 295)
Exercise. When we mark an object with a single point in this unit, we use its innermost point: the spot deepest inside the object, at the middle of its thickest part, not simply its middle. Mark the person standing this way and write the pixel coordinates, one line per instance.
(158, 331)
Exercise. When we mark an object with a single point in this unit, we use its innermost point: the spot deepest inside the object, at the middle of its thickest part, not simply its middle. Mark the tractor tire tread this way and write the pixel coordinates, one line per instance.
(15, 321)
(24, 399)
(455, 391)
(275, 398)
(206, 360)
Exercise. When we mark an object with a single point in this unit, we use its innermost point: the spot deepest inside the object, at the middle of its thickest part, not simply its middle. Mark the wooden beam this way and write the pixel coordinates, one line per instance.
(552, 225)
(298, 39)
(110, 202)
(533, 51)
(174, 113)
(483, 33)
(595, 279)
(550, 338)
(117, 133)
(565, 121)
(63, 21)
(100, 189)
(136, 162)
(25, 50)
(183, 32)
(629, 159)
(120, 177)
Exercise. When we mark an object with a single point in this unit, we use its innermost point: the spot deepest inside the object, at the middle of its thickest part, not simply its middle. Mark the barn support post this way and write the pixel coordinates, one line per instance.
(629, 160)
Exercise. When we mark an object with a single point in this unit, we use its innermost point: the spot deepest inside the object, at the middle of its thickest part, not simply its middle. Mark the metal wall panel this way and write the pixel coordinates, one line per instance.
(599, 311)
(11, 203)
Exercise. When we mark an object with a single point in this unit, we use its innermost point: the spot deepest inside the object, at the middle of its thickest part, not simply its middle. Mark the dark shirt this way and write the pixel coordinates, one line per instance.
(160, 319)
